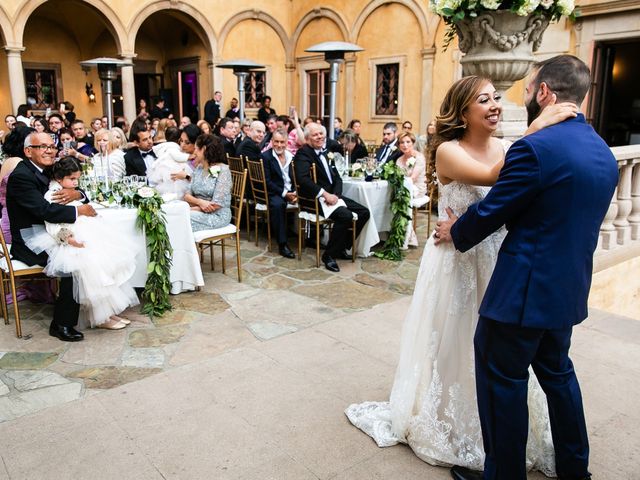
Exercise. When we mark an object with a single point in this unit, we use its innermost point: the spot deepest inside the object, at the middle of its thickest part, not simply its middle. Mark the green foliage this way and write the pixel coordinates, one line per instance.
(400, 207)
(151, 220)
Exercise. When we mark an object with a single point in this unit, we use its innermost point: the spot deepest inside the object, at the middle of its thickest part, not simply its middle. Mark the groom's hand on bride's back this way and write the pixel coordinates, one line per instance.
(443, 228)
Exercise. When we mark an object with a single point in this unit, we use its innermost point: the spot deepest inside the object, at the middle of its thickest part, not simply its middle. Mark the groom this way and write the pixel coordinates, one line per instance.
(552, 194)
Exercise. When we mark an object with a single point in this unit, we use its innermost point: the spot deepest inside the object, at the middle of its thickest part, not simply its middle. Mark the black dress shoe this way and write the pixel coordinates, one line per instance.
(345, 256)
(461, 473)
(286, 252)
(66, 334)
(330, 264)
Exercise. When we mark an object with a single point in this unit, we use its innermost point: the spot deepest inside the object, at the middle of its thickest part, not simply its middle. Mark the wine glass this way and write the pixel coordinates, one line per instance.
(117, 190)
(369, 168)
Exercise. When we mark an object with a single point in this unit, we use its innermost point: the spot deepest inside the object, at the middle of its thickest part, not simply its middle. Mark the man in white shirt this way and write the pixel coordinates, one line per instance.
(279, 177)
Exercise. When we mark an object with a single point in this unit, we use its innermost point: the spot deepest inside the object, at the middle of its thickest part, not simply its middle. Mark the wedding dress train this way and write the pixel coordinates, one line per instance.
(432, 406)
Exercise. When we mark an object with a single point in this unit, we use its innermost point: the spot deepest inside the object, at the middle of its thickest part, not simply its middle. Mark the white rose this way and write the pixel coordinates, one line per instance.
(490, 4)
(546, 4)
(527, 7)
(411, 162)
(356, 166)
(566, 6)
(330, 155)
(214, 171)
(146, 192)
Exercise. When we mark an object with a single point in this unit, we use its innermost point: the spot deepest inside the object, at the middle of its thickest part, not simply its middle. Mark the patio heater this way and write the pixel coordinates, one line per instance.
(241, 68)
(108, 72)
(334, 55)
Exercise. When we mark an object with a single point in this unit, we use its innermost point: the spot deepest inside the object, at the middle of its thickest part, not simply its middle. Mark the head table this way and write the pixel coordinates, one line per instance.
(186, 273)
(376, 196)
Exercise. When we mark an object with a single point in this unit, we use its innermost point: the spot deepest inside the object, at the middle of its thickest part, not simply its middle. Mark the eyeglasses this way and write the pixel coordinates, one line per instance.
(43, 147)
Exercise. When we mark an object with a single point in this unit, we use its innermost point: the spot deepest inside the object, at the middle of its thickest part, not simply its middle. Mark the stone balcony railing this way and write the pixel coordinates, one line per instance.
(620, 231)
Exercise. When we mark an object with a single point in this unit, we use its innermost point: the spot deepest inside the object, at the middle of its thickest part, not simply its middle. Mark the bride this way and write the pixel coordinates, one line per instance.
(432, 406)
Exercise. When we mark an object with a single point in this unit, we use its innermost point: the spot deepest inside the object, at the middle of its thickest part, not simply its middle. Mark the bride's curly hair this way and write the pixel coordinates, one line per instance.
(449, 123)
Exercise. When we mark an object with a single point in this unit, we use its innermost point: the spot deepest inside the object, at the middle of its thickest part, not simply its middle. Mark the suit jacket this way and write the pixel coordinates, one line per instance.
(394, 155)
(229, 146)
(211, 112)
(26, 207)
(273, 174)
(306, 157)
(134, 162)
(552, 193)
(248, 148)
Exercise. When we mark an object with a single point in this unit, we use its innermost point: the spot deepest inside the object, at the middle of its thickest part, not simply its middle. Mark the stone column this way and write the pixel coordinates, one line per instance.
(16, 76)
(624, 204)
(216, 75)
(634, 216)
(426, 95)
(290, 74)
(129, 105)
(350, 88)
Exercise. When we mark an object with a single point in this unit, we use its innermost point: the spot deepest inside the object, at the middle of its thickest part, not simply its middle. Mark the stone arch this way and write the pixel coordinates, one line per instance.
(412, 5)
(112, 22)
(6, 29)
(319, 13)
(195, 20)
(256, 14)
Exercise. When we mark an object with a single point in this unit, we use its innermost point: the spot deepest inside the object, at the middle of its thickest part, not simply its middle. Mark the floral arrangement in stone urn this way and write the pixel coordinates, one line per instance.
(498, 39)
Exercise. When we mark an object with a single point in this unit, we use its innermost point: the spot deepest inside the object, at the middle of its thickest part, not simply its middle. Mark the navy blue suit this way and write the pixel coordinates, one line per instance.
(552, 194)
(275, 189)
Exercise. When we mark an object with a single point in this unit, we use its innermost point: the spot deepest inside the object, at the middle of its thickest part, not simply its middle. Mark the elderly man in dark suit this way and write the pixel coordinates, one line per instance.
(27, 207)
(328, 188)
(279, 177)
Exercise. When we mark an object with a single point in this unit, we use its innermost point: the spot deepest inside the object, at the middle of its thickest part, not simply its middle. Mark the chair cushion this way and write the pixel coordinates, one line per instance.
(310, 217)
(202, 234)
(16, 264)
(261, 207)
(292, 206)
(419, 202)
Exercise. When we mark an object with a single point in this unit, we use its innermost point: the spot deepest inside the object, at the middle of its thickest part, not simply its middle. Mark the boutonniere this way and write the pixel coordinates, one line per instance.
(411, 162)
(214, 171)
(330, 155)
(394, 148)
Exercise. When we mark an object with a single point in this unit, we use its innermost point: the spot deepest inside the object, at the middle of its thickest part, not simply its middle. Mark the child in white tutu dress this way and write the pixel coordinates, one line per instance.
(100, 260)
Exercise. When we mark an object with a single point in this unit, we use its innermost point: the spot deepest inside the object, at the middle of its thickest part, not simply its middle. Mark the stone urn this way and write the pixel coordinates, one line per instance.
(500, 44)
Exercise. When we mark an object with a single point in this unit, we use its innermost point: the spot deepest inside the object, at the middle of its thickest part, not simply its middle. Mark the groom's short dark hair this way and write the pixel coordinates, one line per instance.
(566, 76)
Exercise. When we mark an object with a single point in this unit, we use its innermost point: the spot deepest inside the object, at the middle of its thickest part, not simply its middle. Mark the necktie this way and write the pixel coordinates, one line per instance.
(385, 150)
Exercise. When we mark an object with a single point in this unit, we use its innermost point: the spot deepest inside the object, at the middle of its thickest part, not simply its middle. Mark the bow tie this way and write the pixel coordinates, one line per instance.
(149, 153)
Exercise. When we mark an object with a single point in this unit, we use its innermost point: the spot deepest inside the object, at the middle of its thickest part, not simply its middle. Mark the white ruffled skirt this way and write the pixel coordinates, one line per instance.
(101, 270)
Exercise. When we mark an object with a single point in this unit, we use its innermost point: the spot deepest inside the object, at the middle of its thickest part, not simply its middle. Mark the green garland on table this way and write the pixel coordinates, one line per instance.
(400, 207)
(151, 220)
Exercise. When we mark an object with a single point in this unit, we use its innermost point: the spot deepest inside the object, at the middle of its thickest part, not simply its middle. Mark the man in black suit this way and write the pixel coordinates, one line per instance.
(328, 189)
(249, 147)
(139, 158)
(228, 136)
(212, 108)
(389, 150)
(159, 110)
(279, 177)
(234, 111)
(27, 207)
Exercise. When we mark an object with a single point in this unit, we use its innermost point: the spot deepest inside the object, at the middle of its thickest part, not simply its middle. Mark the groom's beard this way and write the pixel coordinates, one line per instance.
(533, 110)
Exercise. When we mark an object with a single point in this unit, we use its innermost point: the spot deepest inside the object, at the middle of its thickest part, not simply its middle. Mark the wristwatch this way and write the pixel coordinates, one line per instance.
(188, 178)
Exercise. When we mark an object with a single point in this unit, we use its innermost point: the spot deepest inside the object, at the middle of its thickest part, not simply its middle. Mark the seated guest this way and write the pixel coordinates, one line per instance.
(110, 161)
(80, 132)
(40, 125)
(295, 138)
(204, 127)
(170, 173)
(279, 177)
(414, 166)
(328, 189)
(71, 147)
(140, 157)
(270, 127)
(337, 127)
(184, 121)
(388, 151)
(228, 135)
(352, 146)
(250, 146)
(210, 193)
(28, 207)
(188, 137)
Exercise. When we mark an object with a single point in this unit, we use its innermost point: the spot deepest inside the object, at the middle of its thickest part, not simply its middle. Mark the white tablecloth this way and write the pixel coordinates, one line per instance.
(376, 196)
(185, 273)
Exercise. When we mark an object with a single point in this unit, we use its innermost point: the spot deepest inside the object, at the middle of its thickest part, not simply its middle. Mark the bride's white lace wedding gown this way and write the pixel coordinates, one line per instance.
(433, 406)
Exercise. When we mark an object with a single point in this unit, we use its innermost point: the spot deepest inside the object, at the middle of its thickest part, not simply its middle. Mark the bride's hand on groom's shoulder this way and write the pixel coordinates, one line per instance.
(443, 228)
(551, 114)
